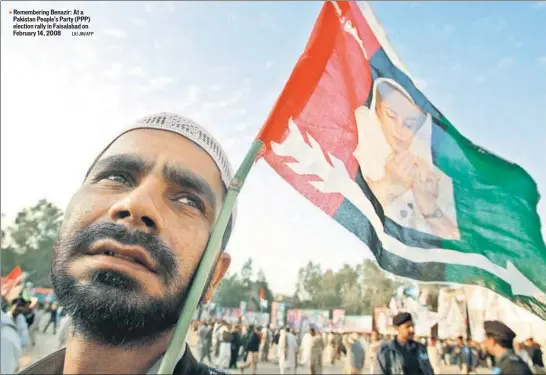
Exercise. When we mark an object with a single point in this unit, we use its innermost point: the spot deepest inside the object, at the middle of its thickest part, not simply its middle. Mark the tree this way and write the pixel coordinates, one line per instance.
(328, 296)
(309, 284)
(230, 292)
(32, 236)
(242, 287)
(377, 286)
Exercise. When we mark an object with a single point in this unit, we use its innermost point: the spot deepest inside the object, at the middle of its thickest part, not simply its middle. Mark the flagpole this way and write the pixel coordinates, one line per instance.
(207, 261)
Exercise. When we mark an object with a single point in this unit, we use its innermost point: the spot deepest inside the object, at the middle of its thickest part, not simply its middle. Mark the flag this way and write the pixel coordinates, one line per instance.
(263, 300)
(353, 133)
(12, 280)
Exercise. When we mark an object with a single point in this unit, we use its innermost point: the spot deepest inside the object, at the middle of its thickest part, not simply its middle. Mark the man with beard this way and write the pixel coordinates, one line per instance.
(131, 241)
(403, 355)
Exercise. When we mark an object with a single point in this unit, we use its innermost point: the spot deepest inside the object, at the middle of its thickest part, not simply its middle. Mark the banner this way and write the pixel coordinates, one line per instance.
(413, 301)
(316, 318)
(383, 320)
(293, 318)
(256, 318)
(338, 317)
(484, 304)
(452, 313)
(228, 314)
(278, 310)
(358, 323)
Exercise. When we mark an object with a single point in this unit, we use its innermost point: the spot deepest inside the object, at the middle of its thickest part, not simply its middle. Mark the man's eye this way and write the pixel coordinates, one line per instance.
(116, 177)
(192, 202)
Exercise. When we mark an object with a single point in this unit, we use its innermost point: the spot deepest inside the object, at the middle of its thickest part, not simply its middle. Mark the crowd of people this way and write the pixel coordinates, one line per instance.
(245, 346)
(22, 319)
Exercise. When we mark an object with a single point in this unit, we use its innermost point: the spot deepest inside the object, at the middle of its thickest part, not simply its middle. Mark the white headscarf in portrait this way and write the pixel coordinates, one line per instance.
(373, 149)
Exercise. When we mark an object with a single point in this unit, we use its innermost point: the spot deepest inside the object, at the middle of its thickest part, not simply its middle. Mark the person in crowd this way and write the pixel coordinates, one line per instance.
(19, 307)
(469, 358)
(282, 349)
(457, 350)
(52, 310)
(403, 355)
(236, 342)
(332, 348)
(11, 347)
(264, 345)
(225, 345)
(341, 350)
(204, 343)
(316, 347)
(354, 362)
(249, 330)
(39, 313)
(535, 352)
(64, 328)
(434, 355)
(292, 351)
(375, 342)
(217, 338)
(499, 339)
(130, 244)
(253, 348)
(275, 344)
(521, 352)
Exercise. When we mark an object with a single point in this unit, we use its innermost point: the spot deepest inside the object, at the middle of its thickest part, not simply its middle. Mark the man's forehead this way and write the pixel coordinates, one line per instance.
(163, 146)
(164, 149)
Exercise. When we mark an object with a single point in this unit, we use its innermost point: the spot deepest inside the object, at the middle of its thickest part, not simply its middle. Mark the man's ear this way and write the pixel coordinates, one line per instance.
(217, 275)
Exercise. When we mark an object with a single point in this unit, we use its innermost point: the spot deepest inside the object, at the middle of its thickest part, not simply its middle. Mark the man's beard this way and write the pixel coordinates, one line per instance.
(112, 308)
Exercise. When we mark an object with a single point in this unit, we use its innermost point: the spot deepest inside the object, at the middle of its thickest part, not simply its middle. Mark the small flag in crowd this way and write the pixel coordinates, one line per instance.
(12, 282)
(353, 133)
(263, 300)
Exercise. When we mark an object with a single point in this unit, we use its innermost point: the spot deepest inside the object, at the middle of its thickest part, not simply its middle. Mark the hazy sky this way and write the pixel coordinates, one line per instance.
(483, 64)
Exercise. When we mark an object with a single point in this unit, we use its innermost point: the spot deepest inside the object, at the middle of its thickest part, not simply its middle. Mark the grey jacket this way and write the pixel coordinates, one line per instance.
(389, 360)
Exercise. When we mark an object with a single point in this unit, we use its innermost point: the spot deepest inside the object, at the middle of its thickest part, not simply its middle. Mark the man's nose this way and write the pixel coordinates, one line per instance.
(138, 210)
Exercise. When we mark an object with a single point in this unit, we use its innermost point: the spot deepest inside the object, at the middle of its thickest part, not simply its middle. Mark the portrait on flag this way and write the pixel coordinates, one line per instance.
(395, 157)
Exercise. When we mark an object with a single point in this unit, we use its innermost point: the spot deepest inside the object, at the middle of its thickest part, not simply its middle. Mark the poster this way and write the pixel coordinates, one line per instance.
(278, 310)
(383, 320)
(452, 313)
(338, 316)
(256, 318)
(358, 323)
(484, 304)
(228, 314)
(316, 318)
(293, 318)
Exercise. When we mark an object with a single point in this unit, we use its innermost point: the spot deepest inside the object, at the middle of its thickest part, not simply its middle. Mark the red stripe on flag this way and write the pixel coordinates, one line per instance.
(11, 279)
(331, 79)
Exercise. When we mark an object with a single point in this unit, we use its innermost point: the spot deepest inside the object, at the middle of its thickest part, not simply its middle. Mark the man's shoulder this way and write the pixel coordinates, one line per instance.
(386, 346)
(420, 347)
(513, 364)
(204, 369)
(189, 365)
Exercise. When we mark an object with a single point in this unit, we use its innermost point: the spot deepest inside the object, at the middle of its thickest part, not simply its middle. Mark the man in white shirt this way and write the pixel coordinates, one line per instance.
(11, 345)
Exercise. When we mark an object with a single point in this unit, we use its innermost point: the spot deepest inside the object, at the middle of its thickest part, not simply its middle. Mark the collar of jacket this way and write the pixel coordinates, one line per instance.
(54, 363)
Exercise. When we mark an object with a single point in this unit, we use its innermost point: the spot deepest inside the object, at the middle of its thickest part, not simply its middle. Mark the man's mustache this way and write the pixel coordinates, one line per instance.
(158, 251)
